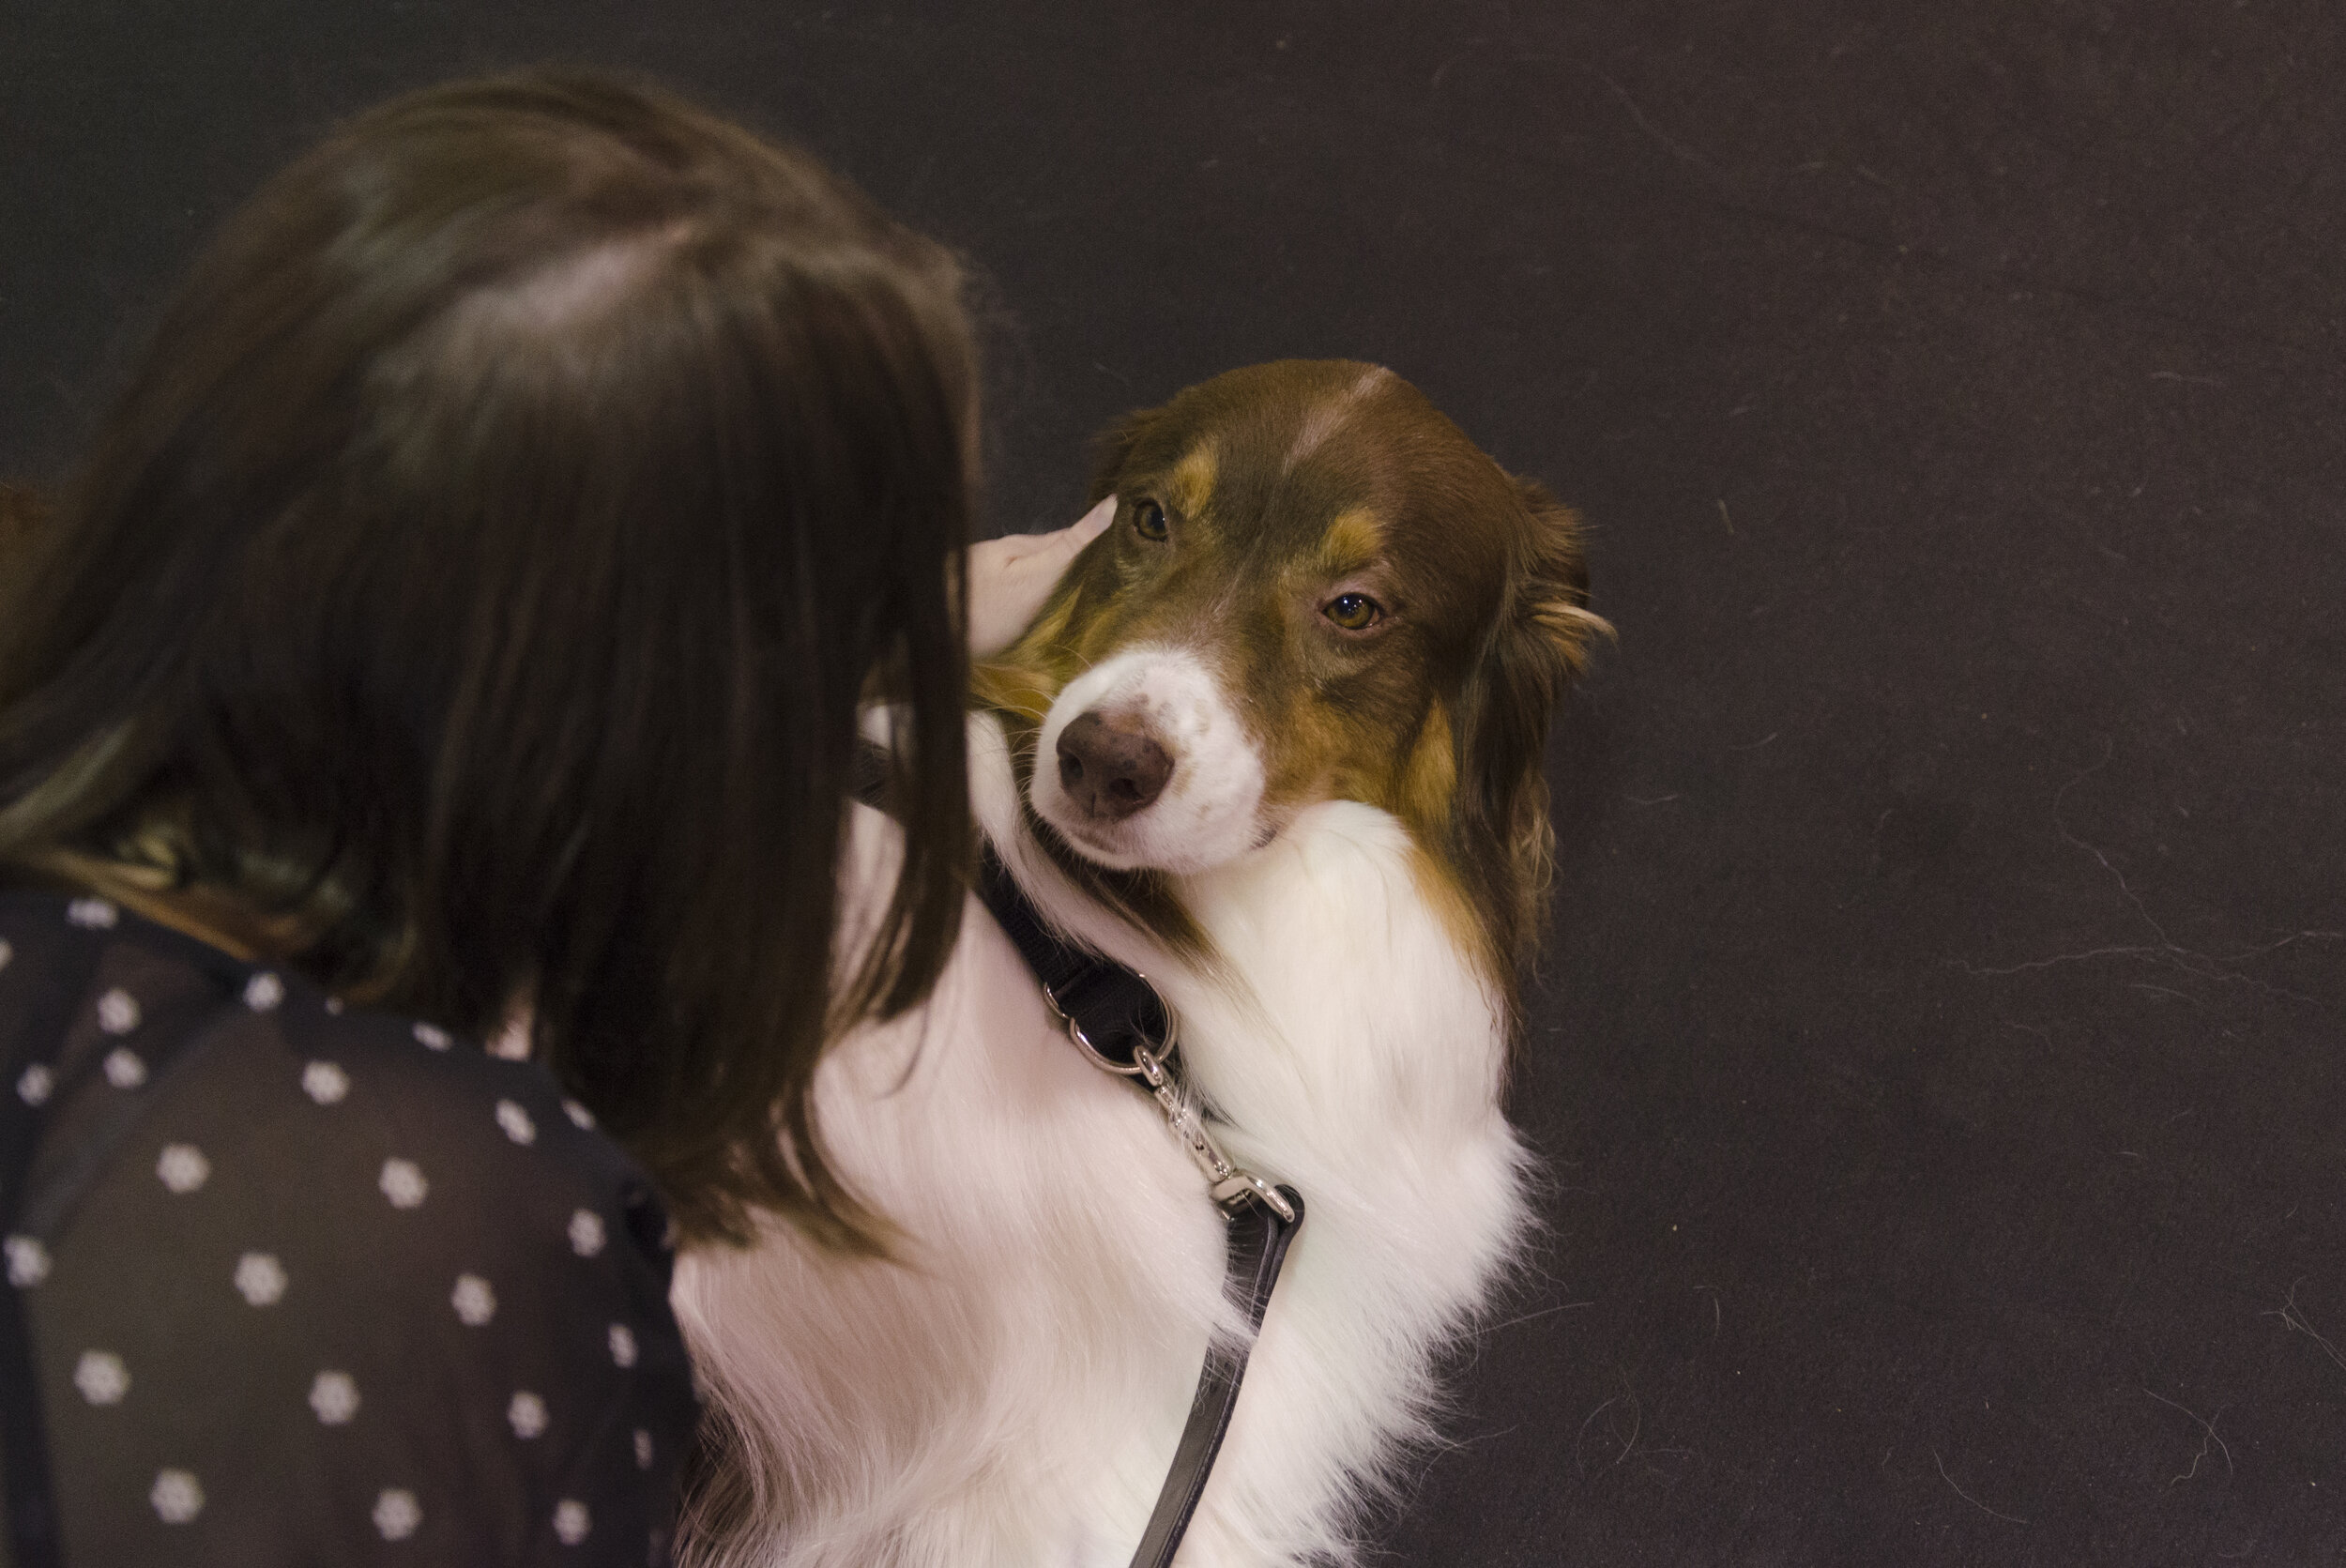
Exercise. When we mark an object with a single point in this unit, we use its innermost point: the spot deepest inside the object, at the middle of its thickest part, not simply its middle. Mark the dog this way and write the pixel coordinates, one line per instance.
(1277, 742)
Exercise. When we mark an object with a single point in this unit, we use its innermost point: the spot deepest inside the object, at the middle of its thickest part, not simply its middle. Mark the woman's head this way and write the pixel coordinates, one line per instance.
(477, 582)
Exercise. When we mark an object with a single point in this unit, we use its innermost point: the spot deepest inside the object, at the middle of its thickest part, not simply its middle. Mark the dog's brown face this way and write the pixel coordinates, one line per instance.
(1315, 588)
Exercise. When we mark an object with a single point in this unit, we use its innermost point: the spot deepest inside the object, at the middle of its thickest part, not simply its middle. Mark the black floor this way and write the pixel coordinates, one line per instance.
(1939, 1054)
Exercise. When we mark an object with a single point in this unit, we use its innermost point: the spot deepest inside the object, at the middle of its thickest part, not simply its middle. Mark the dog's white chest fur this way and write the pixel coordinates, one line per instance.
(1008, 1392)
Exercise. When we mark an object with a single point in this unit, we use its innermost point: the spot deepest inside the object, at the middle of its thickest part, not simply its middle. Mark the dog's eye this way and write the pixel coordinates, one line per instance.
(1148, 520)
(1354, 612)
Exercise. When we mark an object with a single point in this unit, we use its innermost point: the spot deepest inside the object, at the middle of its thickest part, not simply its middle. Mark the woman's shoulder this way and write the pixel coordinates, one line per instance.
(302, 1269)
(98, 1003)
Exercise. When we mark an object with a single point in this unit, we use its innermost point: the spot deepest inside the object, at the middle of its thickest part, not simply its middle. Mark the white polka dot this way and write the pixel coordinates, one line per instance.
(325, 1082)
(117, 1012)
(6, 952)
(403, 1183)
(528, 1413)
(517, 1122)
(176, 1496)
(570, 1523)
(622, 1344)
(643, 1449)
(396, 1514)
(92, 914)
(474, 1302)
(28, 1260)
(438, 1039)
(513, 1041)
(183, 1167)
(585, 1233)
(101, 1378)
(34, 1087)
(580, 1116)
(334, 1006)
(260, 1279)
(124, 1069)
(263, 992)
(334, 1397)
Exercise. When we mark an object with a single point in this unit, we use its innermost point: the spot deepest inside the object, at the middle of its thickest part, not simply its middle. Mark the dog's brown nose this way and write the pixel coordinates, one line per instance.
(1109, 771)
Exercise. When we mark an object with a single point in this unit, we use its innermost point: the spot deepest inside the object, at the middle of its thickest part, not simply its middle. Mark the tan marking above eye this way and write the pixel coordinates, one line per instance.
(1354, 540)
(1193, 478)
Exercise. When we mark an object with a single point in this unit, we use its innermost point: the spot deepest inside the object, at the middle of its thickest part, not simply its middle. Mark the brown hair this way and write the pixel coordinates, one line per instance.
(477, 582)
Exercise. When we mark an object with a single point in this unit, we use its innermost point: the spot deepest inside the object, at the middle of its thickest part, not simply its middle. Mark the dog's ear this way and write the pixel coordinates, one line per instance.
(1552, 600)
(1113, 447)
(1537, 645)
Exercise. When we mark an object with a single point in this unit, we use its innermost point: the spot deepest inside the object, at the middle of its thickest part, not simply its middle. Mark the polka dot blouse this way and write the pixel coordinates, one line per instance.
(307, 1286)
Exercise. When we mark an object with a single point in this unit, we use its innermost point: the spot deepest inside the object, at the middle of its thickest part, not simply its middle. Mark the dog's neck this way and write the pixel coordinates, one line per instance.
(1332, 1009)
(1378, 1016)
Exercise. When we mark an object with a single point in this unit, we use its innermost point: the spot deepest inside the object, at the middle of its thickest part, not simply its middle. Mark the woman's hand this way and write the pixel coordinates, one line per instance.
(1010, 577)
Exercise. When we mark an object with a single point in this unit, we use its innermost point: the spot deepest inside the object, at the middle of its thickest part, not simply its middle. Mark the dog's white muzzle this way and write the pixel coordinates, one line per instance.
(1159, 770)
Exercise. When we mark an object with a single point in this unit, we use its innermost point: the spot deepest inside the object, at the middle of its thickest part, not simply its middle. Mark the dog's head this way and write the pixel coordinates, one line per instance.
(1315, 588)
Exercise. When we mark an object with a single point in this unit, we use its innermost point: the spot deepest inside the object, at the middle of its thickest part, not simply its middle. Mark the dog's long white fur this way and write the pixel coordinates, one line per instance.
(1008, 1392)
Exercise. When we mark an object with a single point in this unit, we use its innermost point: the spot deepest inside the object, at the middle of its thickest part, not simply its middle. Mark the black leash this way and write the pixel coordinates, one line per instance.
(1116, 1017)
(1259, 1246)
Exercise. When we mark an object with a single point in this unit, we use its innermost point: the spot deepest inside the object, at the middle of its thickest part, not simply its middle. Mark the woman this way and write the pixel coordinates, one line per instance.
(457, 632)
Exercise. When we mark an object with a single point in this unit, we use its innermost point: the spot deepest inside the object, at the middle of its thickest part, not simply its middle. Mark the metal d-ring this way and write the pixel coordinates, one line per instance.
(1083, 1042)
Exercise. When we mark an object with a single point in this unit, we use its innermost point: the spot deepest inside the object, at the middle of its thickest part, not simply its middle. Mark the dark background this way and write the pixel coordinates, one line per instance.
(1937, 1049)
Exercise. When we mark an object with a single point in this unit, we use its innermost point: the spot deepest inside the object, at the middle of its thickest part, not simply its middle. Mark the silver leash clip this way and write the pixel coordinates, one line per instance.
(1231, 1187)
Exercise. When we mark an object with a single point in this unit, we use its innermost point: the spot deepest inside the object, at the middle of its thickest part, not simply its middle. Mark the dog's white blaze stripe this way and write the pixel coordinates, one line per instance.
(1211, 807)
(1326, 419)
